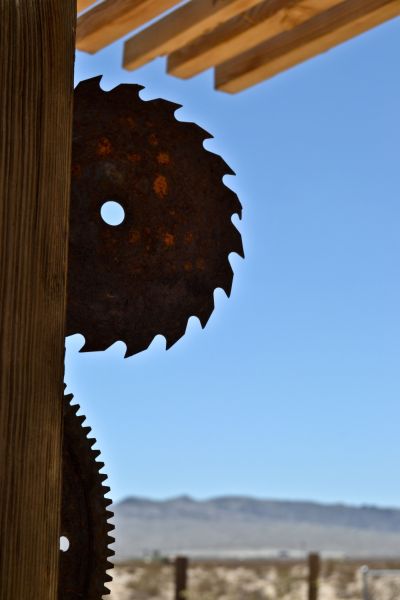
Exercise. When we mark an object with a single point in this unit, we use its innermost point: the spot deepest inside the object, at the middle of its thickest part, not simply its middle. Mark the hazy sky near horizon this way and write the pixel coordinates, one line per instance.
(292, 390)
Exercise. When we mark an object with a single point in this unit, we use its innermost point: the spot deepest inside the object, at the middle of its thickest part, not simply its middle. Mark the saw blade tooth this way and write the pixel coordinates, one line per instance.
(237, 242)
(127, 87)
(137, 346)
(226, 285)
(86, 84)
(206, 312)
(237, 208)
(173, 337)
(168, 105)
(87, 430)
(219, 163)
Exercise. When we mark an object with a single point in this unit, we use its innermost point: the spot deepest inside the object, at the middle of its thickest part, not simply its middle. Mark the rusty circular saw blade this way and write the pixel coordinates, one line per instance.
(161, 265)
(84, 514)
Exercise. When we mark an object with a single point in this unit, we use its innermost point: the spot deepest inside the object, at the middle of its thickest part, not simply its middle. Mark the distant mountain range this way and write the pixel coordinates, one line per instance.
(239, 526)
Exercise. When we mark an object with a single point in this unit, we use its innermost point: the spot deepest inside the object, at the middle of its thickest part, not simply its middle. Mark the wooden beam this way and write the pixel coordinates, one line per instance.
(36, 79)
(179, 28)
(82, 4)
(264, 21)
(112, 19)
(317, 35)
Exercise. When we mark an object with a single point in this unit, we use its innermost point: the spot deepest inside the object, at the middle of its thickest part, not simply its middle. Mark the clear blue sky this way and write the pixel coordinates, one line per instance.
(292, 390)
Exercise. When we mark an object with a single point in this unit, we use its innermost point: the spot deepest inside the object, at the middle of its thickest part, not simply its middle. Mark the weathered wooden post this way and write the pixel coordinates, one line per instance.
(36, 94)
(314, 565)
(181, 567)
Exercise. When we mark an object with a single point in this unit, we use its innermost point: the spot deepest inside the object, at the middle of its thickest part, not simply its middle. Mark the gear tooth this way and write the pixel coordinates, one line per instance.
(110, 552)
(74, 408)
(103, 477)
(110, 539)
(110, 527)
(91, 441)
(109, 565)
(87, 430)
(106, 490)
(108, 502)
(100, 464)
(96, 454)
(109, 514)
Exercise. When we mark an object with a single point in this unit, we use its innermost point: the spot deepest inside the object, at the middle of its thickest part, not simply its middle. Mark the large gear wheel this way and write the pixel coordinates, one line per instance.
(84, 514)
(161, 265)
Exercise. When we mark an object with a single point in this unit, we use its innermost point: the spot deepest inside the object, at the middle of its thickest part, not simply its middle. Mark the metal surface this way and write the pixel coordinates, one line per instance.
(84, 516)
(148, 275)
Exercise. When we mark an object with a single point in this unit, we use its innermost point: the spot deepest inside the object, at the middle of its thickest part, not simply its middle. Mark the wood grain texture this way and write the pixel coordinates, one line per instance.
(326, 30)
(82, 4)
(264, 21)
(112, 19)
(36, 79)
(179, 28)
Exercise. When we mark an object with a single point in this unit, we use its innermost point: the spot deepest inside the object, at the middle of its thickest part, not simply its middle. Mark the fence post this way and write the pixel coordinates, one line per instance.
(181, 567)
(314, 565)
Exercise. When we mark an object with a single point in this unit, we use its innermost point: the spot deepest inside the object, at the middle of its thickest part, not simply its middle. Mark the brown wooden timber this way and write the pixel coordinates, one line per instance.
(36, 82)
(82, 4)
(317, 35)
(179, 28)
(264, 21)
(112, 19)
(314, 566)
(181, 569)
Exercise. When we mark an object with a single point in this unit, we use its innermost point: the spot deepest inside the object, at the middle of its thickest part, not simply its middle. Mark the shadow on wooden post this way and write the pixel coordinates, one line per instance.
(314, 565)
(181, 568)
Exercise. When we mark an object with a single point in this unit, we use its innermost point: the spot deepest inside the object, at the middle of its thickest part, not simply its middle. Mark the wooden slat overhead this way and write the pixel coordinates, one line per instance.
(82, 4)
(112, 19)
(317, 35)
(179, 28)
(249, 29)
(246, 41)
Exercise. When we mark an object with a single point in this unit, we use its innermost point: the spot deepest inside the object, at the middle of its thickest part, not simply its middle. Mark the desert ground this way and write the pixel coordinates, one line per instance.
(255, 580)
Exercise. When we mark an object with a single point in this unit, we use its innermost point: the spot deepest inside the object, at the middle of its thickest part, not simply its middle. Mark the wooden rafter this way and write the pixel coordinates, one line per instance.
(316, 35)
(112, 19)
(82, 4)
(180, 28)
(264, 21)
(245, 40)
